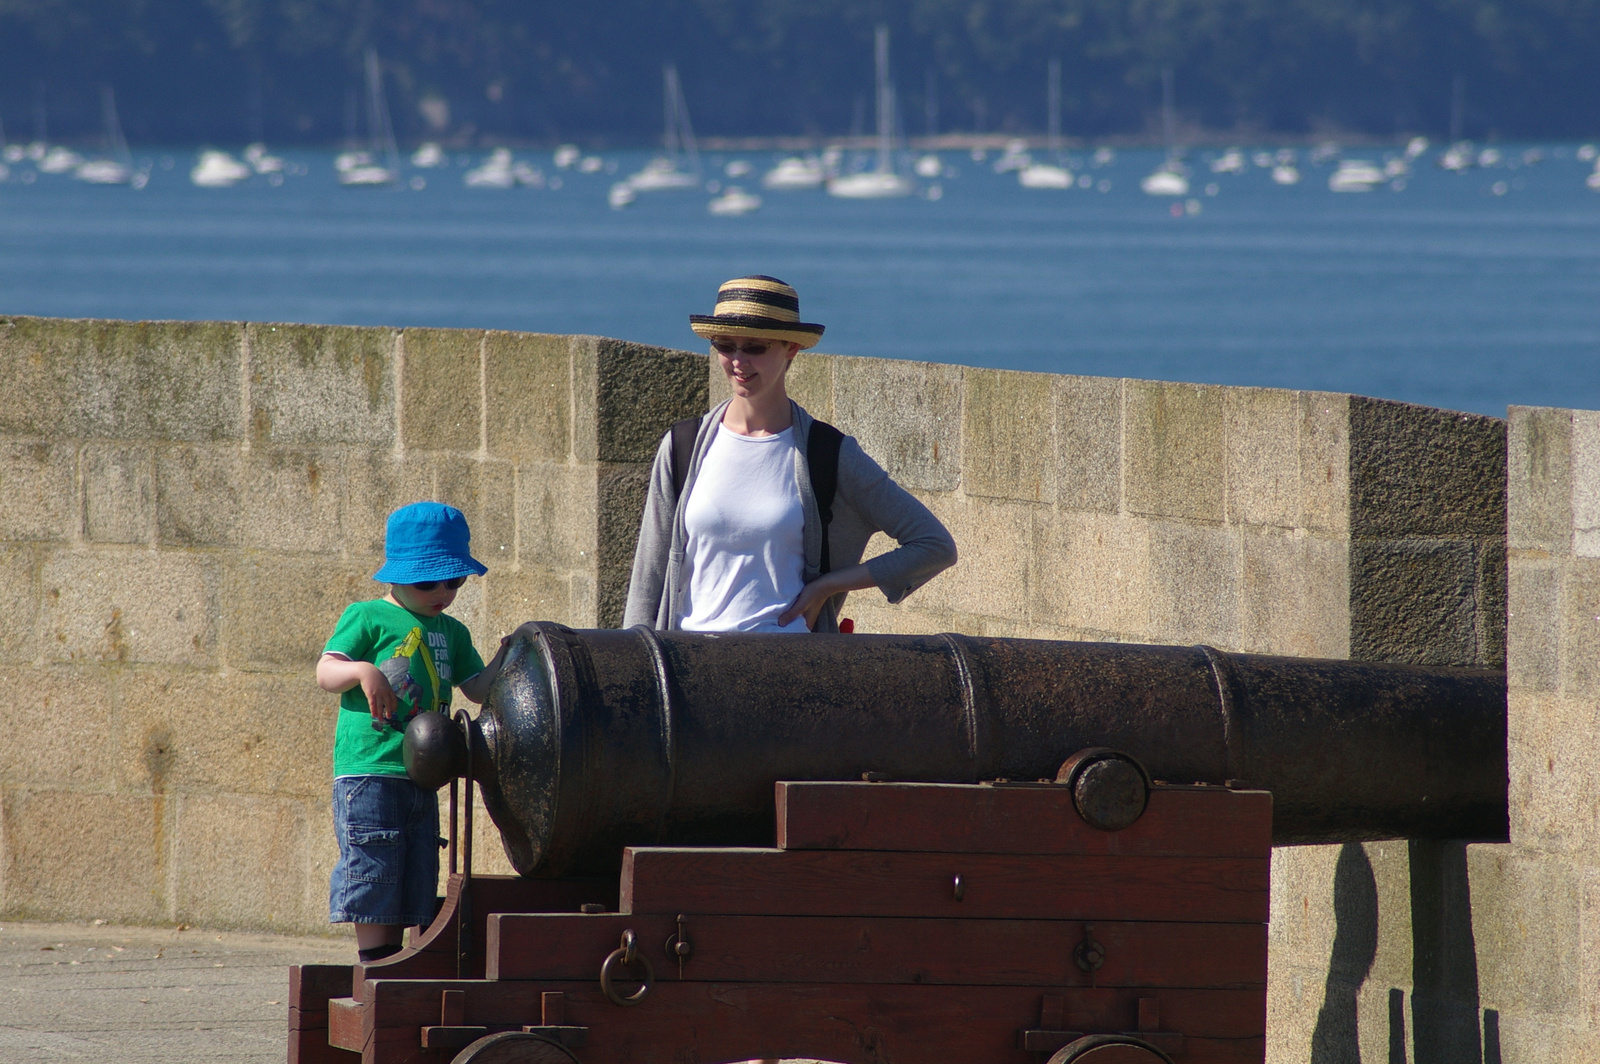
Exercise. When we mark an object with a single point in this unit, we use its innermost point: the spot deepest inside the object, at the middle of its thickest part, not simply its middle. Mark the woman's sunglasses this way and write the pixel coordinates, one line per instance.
(749, 347)
(452, 583)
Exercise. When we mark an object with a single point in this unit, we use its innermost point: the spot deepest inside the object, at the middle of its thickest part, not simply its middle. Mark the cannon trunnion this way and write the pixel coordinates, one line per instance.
(594, 740)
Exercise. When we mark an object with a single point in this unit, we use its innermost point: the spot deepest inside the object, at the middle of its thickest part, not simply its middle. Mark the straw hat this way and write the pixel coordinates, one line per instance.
(761, 307)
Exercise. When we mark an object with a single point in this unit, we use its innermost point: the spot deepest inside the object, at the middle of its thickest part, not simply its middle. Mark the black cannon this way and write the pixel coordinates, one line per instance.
(593, 740)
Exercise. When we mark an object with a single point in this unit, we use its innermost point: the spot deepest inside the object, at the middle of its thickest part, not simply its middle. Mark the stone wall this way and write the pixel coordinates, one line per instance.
(184, 509)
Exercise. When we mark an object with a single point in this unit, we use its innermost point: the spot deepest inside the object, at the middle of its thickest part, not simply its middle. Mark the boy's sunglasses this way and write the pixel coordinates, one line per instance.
(749, 347)
(452, 583)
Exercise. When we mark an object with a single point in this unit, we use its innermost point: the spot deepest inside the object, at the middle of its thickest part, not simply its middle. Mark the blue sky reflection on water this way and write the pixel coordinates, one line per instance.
(1443, 293)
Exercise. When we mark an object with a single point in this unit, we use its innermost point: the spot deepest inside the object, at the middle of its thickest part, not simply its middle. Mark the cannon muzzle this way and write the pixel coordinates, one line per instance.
(594, 740)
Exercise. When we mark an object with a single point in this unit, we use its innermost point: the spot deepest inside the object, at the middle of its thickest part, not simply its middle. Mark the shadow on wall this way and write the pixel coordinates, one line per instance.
(1444, 964)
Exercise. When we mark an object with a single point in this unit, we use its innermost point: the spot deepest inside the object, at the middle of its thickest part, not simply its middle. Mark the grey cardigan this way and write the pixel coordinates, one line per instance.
(866, 501)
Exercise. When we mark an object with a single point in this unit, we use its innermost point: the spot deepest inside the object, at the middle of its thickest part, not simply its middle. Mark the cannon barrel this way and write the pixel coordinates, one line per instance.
(593, 740)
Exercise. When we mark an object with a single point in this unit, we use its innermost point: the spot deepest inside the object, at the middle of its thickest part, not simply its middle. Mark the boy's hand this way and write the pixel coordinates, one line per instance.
(380, 696)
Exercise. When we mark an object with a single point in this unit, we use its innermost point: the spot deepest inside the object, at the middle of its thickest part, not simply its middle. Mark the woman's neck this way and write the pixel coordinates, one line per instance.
(759, 415)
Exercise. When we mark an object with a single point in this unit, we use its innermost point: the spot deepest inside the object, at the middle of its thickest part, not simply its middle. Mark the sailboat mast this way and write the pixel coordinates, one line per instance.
(1054, 96)
(669, 115)
(114, 138)
(1166, 110)
(885, 99)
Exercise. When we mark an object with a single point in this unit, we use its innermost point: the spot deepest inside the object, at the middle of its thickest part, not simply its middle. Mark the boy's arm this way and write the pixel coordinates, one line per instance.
(476, 687)
(336, 674)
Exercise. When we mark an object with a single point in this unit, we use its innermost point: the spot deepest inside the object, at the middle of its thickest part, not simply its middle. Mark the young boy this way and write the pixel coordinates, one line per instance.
(388, 660)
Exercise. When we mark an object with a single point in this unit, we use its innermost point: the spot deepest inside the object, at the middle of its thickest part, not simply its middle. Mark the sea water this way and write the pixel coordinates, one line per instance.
(1469, 291)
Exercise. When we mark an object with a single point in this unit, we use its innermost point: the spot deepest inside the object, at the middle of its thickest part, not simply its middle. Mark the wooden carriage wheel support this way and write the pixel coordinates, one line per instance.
(892, 922)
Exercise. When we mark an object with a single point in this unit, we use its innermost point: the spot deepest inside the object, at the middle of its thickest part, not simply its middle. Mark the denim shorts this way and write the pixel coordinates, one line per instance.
(388, 870)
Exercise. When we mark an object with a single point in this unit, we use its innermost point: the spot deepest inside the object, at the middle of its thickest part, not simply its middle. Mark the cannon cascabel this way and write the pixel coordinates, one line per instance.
(598, 739)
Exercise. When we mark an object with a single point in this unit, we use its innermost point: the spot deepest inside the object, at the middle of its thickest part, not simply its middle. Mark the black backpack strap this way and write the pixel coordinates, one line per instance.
(683, 434)
(822, 461)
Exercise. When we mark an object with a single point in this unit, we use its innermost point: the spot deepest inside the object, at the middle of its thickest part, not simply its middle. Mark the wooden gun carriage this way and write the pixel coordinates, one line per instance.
(1086, 914)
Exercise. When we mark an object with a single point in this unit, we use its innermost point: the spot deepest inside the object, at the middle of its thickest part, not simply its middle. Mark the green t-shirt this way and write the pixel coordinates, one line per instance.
(434, 652)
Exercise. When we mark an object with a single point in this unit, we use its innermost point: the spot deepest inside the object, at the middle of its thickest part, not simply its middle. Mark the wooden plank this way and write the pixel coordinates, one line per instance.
(997, 886)
(308, 1020)
(311, 985)
(1038, 818)
(311, 1047)
(806, 949)
(933, 1024)
(346, 1022)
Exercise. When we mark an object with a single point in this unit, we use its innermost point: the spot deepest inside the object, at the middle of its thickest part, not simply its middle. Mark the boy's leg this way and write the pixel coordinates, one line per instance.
(370, 815)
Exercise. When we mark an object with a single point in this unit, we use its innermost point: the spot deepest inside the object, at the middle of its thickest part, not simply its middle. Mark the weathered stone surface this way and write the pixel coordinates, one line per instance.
(1092, 571)
(80, 856)
(1580, 639)
(1194, 584)
(1324, 436)
(1539, 473)
(1533, 661)
(1000, 533)
(373, 485)
(1007, 421)
(19, 602)
(38, 490)
(122, 380)
(202, 732)
(1294, 594)
(130, 606)
(61, 727)
(1414, 601)
(441, 390)
(1525, 923)
(620, 495)
(312, 385)
(906, 415)
(1489, 616)
(267, 499)
(556, 516)
(512, 599)
(1417, 471)
(119, 494)
(1553, 764)
(1263, 474)
(277, 610)
(214, 888)
(528, 386)
(1586, 483)
(809, 383)
(1088, 437)
(639, 392)
(1173, 457)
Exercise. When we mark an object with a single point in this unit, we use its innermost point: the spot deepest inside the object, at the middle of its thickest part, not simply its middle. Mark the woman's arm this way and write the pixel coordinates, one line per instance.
(924, 547)
(336, 674)
(648, 581)
(816, 594)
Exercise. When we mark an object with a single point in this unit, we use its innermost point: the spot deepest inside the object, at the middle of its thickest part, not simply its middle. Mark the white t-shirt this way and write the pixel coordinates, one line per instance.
(746, 536)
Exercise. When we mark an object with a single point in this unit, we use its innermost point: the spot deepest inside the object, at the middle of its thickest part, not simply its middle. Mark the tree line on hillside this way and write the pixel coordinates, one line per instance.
(187, 71)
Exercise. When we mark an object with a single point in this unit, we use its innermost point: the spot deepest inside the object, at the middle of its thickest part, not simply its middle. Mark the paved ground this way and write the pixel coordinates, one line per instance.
(140, 995)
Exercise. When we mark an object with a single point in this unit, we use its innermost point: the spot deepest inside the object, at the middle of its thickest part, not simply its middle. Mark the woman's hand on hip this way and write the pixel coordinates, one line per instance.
(815, 595)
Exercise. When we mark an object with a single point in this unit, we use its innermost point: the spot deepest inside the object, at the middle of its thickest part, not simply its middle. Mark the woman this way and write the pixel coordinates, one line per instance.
(740, 548)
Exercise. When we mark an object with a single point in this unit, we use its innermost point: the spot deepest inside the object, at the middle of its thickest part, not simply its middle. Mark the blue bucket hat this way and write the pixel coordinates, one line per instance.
(427, 541)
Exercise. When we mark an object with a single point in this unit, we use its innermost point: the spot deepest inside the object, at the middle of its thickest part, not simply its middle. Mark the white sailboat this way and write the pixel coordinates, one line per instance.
(369, 173)
(1049, 175)
(795, 172)
(679, 168)
(117, 170)
(1169, 178)
(882, 182)
(1355, 175)
(217, 169)
(733, 202)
